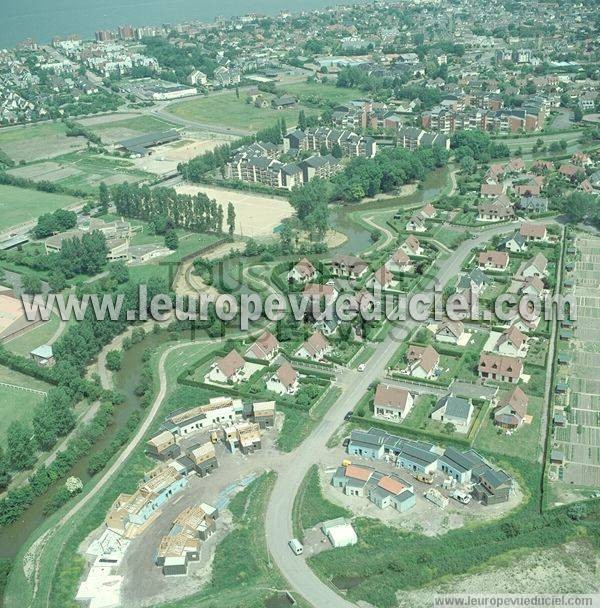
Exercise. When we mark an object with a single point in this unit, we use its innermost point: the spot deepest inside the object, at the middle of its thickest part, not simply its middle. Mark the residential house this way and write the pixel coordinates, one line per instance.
(533, 204)
(498, 209)
(266, 348)
(536, 267)
(229, 369)
(383, 278)
(500, 368)
(411, 246)
(493, 260)
(476, 281)
(163, 446)
(416, 224)
(450, 331)
(515, 243)
(512, 409)
(315, 348)
(316, 292)
(302, 272)
(400, 262)
(456, 411)
(285, 380)
(348, 266)
(533, 232)
(392, 403)
(423, 361)
(491, 190)
(512, 343)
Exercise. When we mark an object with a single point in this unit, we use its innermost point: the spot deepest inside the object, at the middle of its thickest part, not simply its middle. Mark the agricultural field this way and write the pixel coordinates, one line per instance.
(35, 142)
(17, 403)
(83, 171)
(257, 215)
(21, 205)
(579, 440)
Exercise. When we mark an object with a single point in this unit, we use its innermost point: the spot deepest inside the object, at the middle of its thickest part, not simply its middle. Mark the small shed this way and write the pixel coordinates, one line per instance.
(43, 355)
(175, 566)
(339, 532)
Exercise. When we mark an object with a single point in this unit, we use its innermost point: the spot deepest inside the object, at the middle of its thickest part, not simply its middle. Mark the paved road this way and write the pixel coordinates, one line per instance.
(279, 528)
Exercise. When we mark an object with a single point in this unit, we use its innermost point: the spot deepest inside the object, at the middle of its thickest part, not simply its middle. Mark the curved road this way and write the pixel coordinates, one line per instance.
(279, 528)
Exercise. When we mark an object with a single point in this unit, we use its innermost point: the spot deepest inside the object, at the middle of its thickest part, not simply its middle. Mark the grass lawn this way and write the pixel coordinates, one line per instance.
(39, 335)
(188, 243)
(311, 92)
(17, 404)
(522, 443)
(310, 507)
(229, 111)
(143, 124)
(19, 205)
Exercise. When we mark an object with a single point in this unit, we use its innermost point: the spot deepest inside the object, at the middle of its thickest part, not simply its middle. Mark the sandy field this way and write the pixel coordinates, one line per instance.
(256, 215)
(164, 159)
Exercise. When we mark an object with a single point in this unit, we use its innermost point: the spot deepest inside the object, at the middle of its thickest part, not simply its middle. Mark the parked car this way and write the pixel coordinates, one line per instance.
(362, 367)
(296, 546)
(349, 415)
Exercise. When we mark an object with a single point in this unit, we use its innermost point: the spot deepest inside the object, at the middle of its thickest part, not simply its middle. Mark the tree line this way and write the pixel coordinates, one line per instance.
(195, 213)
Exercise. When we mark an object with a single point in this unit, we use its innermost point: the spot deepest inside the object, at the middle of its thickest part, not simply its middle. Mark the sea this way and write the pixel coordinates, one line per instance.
(44, 19)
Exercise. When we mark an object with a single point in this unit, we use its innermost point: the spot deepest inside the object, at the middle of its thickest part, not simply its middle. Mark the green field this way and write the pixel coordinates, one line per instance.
(523, 443)
(309, 92)
(34, 142)
(82, 170)
(143, 124)
(16, 404)
(19, 205)
(25, 343)
(227, 110)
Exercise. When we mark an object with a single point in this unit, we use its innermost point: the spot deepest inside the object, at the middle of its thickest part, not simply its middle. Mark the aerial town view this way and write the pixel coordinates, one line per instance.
(300, 304)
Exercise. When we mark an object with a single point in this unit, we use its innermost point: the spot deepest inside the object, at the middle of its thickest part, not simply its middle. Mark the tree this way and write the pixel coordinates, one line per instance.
(171, 240)
(104, 198)
(20, 446)
(577, 114)
(114, 360)
(449, 428)
(230, 219)
(31, 284)
(118, 272)
(302, 120)
(57, 281)
(5, 476)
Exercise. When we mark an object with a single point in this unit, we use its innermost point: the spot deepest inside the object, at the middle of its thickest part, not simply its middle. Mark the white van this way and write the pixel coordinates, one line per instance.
(296, 546)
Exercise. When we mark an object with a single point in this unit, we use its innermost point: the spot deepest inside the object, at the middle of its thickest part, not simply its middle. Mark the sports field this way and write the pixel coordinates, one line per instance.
(256, 214)
(19, 205)
(117, 127)
(15, 403)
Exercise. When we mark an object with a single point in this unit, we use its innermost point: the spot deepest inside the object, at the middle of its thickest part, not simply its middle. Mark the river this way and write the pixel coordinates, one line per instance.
(126, 380)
